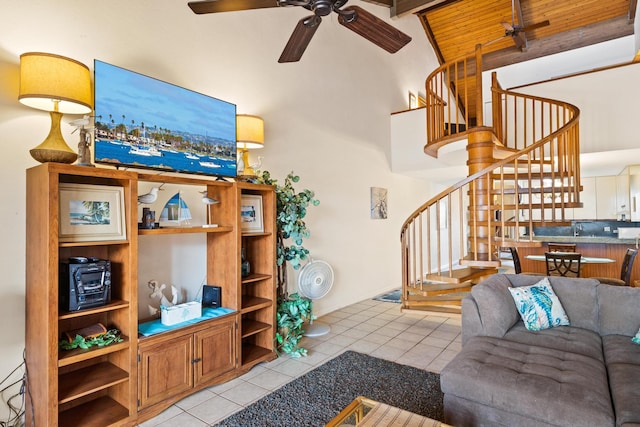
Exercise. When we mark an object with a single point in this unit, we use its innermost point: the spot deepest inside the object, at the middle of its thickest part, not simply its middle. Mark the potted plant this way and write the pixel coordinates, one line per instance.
(292, 310)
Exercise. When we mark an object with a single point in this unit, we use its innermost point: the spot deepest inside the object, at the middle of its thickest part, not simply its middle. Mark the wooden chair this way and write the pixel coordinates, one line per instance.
(561, 247)
(516, 263)
(625, 271)
(563, 264)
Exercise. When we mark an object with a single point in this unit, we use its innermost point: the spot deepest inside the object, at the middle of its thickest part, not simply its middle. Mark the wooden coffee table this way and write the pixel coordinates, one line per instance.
(364, 412)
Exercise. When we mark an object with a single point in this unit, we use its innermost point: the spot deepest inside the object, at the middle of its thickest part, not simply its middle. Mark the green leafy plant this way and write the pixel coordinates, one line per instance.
(290, 317)
(109, 337)
(291, 209)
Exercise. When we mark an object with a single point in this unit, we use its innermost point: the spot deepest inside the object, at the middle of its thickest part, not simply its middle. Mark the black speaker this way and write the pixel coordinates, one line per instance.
(211, 296)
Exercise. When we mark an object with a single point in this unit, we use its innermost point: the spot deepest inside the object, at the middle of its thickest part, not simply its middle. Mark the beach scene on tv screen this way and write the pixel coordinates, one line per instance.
(144, 122)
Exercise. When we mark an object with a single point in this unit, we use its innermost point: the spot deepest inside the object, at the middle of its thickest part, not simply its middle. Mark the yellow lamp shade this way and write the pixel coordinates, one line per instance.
(249, 131)
(54, 83)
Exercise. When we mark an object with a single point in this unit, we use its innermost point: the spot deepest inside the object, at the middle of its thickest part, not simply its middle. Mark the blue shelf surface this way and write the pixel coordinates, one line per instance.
(156, 327)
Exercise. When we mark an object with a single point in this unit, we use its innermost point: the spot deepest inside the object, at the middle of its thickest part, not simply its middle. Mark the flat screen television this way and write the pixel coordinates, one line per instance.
(143, 122)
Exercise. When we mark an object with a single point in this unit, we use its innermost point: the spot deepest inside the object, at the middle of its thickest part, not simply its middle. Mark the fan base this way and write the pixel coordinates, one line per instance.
(316, 330)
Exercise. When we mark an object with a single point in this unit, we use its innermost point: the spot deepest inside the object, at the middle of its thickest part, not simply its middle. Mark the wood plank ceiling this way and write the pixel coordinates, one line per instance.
(454, 27)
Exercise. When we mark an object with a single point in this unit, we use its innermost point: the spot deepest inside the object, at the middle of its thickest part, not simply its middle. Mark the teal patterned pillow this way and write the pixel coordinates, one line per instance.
(539, 306)
(636, 339)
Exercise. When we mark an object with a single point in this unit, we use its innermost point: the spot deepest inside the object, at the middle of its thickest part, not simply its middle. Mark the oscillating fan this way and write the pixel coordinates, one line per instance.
(315, 281)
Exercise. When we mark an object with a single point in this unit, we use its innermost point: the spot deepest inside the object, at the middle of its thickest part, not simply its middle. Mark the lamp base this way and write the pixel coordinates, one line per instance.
(247, 178)
(54, 148)
(44, 155)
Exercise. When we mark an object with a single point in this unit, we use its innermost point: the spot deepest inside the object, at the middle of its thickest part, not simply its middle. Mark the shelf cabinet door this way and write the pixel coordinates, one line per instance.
(215, 351)
(165, 369)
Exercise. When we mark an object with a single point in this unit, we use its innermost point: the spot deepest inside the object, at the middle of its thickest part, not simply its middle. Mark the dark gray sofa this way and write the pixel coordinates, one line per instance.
(585, 374)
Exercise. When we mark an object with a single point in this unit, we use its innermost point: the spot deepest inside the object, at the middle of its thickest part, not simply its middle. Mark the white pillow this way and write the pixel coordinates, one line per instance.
(539, 307)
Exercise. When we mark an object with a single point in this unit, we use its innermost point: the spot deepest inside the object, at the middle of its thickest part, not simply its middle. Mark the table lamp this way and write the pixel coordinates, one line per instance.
(59, 85)
(249, 135)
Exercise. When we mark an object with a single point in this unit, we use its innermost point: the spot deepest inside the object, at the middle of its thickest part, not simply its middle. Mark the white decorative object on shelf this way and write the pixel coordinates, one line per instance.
(157, 293)
(180, 313)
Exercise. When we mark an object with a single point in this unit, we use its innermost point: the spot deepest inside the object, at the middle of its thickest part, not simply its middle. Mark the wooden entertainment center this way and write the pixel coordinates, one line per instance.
(128, 382)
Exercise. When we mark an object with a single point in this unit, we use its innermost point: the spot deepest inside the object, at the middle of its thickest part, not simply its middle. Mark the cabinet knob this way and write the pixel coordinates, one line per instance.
(196, 360)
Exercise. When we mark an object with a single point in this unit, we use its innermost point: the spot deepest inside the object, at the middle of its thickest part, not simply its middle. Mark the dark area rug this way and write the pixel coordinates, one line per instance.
(319, 395)
(393, 296)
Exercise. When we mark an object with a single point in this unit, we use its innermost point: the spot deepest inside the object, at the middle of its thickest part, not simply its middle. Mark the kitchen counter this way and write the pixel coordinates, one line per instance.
(585, 239)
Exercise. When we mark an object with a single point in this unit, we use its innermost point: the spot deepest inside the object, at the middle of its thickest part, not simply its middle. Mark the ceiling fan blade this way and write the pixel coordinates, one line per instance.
(534, 26)
(520, 40)
(214, 6)
(373, 29)
(300, 39)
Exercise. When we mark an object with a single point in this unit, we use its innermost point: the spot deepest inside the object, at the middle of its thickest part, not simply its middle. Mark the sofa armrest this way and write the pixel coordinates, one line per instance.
(471, 324)
(497, 312)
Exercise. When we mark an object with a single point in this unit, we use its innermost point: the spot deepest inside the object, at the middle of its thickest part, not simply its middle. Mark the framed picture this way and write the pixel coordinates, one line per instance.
(91, 213)
(378, 203)
(413, 101)
(251, 213)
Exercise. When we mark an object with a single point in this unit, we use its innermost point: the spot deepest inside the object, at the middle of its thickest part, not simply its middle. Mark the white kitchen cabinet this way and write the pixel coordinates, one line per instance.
(588, 199)
(606, 207)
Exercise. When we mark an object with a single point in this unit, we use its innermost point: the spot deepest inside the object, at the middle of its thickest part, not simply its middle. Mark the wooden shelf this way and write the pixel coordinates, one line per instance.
(69, 357)
(255, 277)
(103, 411)
(251, 303)
(96, 243)
(184, 230)
(251, 327)
(247, 234)
(252, 353)
(90, 379)
(113, 305)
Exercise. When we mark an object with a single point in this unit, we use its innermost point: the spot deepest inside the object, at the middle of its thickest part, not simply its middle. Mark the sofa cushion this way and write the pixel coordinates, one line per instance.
(496, 308)
(578, 297)
(539, 306)
(563, 338)
(623, 363)
(619, 310)
(552, 386)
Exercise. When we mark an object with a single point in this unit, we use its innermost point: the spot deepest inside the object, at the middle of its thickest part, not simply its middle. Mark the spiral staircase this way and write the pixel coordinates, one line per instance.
(523, 171)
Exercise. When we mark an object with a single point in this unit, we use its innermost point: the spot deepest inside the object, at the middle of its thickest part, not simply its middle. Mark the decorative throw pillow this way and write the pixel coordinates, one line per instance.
(539, 307)
(636, 339)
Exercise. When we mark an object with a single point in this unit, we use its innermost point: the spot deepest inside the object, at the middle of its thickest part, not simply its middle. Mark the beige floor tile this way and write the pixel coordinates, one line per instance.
(245, 393)
(214, 410)
(183, 420)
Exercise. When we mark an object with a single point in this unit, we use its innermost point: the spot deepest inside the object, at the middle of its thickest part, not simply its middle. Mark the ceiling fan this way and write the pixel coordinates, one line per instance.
(354, 18)
(517, 32)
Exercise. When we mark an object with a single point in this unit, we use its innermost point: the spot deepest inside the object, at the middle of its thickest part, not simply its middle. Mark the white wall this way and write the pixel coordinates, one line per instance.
(326, 118)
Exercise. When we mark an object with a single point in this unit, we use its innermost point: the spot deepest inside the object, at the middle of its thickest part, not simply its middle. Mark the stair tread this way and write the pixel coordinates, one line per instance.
(461, 275)
(457, 296)
(439, 289)
(433, 286)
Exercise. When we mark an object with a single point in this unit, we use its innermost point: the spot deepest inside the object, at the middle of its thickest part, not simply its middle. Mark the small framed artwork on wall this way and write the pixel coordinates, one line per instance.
(413, 101)
(251, 213)
(378, 203)
(91, 213)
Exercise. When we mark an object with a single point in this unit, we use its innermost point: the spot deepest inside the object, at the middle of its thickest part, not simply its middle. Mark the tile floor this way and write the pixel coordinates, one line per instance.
(427, 341)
